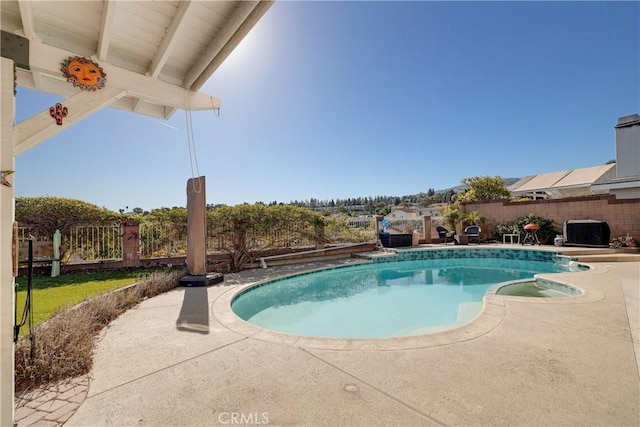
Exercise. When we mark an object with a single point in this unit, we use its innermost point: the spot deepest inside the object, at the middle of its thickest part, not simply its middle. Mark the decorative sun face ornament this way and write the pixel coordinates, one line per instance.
(83, 73)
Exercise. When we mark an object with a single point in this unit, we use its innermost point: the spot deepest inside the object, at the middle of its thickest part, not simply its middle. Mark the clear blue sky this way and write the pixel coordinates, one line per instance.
(346, 99)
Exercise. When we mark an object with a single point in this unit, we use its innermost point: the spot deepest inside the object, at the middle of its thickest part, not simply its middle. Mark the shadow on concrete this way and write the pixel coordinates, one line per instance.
(194, 314)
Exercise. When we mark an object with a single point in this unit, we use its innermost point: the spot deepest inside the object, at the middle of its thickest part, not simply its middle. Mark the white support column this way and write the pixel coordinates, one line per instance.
(7, 216)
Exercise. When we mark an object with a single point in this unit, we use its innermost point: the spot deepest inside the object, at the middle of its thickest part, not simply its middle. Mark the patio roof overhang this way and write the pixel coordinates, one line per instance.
(156, 56)
(570, 183)
(159, 52)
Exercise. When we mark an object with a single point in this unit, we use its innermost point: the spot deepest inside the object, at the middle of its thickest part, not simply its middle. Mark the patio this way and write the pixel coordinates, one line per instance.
(176, 360)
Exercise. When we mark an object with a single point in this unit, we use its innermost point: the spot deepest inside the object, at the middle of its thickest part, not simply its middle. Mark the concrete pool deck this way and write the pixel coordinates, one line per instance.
(182, 358)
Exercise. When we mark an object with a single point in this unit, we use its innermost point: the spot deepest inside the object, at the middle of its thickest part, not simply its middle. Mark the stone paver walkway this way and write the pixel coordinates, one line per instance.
(51, 406)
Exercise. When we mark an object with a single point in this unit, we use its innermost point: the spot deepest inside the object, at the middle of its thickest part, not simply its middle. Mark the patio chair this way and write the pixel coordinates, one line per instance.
(473, 233)
(445, 235)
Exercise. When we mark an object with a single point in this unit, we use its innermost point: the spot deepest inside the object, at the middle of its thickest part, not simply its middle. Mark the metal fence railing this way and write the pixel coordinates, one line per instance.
(159, 240)
(30, 233)
(293, 234)
(364, 226)
(363, 223)
(91, 243)
(406, 225)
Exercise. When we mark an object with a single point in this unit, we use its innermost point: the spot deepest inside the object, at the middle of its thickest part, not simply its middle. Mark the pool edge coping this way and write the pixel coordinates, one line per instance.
(490, 316)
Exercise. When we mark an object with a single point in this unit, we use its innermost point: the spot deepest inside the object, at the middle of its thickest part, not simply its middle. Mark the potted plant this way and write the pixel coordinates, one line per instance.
(627, 241)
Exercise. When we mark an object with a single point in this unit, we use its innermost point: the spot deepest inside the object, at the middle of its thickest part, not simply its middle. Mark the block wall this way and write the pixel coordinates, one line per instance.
(623, 216)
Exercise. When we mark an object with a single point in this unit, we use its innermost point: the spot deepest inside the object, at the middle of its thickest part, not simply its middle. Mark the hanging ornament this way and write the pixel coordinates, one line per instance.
(3, 178)
(83, 73)
(58, 112)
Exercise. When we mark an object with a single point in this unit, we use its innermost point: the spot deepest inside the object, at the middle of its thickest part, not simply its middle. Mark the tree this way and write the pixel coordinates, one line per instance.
(451, 215)
(252, 231)
(474, 218)
(484, 188)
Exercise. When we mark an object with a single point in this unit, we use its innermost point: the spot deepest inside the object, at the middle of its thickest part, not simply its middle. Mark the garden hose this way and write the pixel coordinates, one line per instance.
(27, 313)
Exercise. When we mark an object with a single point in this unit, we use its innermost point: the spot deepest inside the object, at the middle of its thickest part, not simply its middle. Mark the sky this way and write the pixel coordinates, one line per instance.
(333, 100)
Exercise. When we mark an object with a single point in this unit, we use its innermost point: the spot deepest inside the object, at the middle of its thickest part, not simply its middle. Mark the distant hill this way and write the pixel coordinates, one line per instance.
(460, 188)
(380, 204)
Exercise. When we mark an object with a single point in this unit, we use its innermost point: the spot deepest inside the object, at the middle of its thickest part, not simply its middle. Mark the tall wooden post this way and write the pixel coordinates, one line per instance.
(197, 236)
(196, 226)
(7, 216)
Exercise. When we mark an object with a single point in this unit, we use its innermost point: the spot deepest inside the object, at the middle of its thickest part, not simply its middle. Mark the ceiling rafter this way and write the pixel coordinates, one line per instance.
(178, 23)
(247, 14)
(246, 25)
(28, 22)
(135, 106)
(29, 29)
(106, 29)
(233, 24)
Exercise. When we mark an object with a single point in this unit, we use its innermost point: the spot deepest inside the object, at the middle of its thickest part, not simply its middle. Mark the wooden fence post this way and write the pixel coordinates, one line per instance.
(319, 235)
(131, 245)
(426, 229)
(378, 218)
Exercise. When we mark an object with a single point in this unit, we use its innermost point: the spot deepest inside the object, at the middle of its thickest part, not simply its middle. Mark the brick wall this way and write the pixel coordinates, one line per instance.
(623, 216)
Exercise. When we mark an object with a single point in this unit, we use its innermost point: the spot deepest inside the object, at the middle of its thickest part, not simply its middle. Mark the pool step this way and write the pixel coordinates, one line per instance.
(611, 257)
(602, 255)
(573, 252)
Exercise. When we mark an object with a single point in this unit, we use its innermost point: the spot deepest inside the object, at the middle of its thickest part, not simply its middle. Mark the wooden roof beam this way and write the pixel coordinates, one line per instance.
(233, 24)
(246, 16)
(106, 29)
(178, 23)
(36, 129)
(28, 22)
(29, 29)
(46, 59)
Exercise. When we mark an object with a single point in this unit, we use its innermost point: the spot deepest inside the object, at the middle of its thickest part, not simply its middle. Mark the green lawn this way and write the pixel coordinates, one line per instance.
(52, 293)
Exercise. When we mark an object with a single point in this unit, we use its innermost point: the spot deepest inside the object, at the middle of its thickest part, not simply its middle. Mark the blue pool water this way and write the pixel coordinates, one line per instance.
(385, 299)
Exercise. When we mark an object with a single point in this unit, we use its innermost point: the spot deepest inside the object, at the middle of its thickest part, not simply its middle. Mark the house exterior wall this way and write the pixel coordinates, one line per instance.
(401, 214)
(623, 216)
(628, 147)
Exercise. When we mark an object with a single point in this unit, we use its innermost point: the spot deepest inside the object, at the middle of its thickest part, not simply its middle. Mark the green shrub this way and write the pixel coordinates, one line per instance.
(547, 231)
(45, 215)
(252, 231)
(502, 229)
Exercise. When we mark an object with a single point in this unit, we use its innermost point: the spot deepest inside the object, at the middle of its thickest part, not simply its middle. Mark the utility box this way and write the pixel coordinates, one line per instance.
(588, 233)
(389, 240)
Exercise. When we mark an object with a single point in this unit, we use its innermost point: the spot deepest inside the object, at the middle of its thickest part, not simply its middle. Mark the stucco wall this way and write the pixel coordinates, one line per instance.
(628, 150)
(623, 216)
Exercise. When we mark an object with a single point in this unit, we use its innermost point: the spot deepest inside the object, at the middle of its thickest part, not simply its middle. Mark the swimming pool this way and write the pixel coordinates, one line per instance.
(389, 297)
